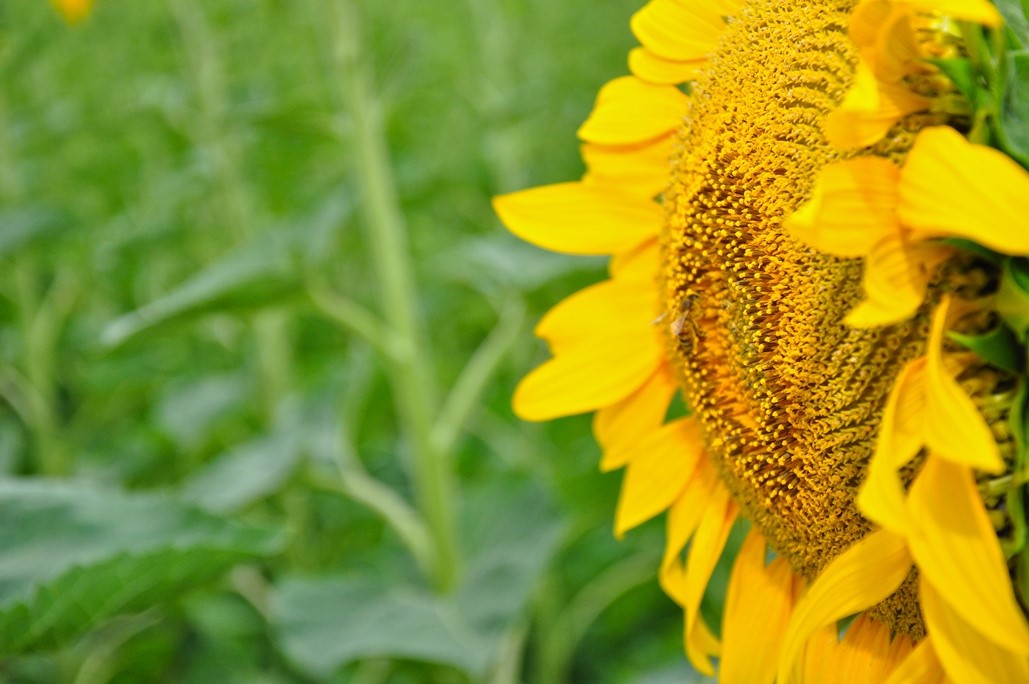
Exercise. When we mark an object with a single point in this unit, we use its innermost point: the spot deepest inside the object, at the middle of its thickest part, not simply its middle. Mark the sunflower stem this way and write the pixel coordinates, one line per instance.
(409, 371)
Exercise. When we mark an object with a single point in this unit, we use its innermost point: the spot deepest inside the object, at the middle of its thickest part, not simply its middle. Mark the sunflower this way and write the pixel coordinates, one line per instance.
(816, 215)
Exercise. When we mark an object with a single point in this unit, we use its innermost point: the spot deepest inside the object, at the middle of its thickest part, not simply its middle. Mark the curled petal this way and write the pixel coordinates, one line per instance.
(966, 655)
(950, 187)
(957, 552)
(853, 207)
(955, 430)
(860, 577)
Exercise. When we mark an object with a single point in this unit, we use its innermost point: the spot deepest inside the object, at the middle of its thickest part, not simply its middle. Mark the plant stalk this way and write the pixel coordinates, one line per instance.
(409, 370)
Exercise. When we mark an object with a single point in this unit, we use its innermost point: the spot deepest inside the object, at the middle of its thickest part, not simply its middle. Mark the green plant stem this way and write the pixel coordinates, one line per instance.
(409, 370)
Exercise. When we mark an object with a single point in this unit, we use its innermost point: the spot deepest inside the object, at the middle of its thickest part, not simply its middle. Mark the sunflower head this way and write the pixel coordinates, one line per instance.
(825, 276)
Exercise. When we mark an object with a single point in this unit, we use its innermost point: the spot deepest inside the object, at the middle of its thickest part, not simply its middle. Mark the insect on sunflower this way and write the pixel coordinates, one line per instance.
(817, 220)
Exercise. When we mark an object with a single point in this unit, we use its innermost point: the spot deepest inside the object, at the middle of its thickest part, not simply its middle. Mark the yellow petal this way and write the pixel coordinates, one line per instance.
(862, 120)
(901, 436)
(853, 206)
(641, 264)
(860, 577)
(620, 428)
(630, 111)
(683, 519)
(897, 51)
(921, 666)
(586, 379)
(680, 30)
(954, 429)
(957, 551)
(866, 22)
(608, 309)
(579, 218)
(952, 188)
(646, 65)
(758, 604)
(979, 11)
(965, 654)
(819, 660)
(865, 653)
(639, 170)
(894, 280)
(705, 550)
(658, 473)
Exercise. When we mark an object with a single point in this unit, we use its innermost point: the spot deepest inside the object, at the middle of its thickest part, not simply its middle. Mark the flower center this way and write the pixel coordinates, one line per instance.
(790, 398)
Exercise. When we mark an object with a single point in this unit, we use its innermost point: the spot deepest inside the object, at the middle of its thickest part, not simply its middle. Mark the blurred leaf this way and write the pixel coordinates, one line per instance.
(510, 530)
(1013, 12)
(962, 74)
(19, 228)
(189, 410)
(245, 474)
(997, 347)
(259, 274)
(74, 555)
(1014, 117)
(501, 261)
(325, 623)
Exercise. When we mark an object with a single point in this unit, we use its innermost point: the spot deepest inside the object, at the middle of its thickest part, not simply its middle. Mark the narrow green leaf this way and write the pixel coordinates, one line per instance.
(262, 273)
(962, 74)
(1014, 16)
(1014, 116)
(997, 347)
(74, 555)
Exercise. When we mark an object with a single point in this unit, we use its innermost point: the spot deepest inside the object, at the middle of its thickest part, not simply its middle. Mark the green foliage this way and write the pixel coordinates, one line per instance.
(74, 554)
(240, 443)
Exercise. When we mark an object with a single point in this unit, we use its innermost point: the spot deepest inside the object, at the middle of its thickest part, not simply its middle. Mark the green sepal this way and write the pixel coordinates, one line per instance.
(975, 248)
(998, 347)
(1012, 302)
(962, 74)
(1015, 500)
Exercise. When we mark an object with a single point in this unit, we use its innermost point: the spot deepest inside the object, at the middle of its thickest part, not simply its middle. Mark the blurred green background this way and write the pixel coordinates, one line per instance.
(259, 330)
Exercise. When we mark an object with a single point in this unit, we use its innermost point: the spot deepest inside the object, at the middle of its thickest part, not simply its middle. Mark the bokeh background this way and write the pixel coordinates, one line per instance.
(259, 330)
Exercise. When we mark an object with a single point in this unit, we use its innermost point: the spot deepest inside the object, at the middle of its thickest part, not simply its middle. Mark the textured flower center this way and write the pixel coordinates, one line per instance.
(789, 397)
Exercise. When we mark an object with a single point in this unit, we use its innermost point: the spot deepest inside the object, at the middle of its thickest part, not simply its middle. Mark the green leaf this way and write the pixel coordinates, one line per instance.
(259, 274)
(1012, 303)
(1014, 16)
(962, 73)
(245, 474)
(74, 555)
(997, 347)
(324, 623)
(510, 531)
(20, 228)
(1014, 116)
